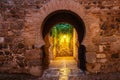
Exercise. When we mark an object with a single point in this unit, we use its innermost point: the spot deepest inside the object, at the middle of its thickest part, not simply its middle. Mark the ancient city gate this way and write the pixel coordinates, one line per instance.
(26, 34)
(55, 11)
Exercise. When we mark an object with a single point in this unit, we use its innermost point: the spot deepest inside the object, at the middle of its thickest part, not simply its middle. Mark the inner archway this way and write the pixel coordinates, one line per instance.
(57, 18)
(62, 40)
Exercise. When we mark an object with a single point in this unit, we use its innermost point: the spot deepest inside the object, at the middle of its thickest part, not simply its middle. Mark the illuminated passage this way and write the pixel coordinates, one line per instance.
(61, 36)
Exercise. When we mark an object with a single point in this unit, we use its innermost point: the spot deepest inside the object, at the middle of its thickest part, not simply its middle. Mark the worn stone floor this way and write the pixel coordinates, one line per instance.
(63, 69)
(63, 62)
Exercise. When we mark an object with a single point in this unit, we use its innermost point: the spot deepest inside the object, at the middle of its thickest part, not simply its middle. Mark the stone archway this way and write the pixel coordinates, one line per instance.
(58, 17)
(55, 9)
(52, 6)
(35, 19)
(64, 16)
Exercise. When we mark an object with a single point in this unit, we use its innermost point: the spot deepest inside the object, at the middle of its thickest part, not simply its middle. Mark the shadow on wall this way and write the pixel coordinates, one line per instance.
(45, 58)
(82, 57)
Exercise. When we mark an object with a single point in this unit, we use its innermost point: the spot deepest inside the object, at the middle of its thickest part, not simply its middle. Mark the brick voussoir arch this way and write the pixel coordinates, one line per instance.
(52, 6)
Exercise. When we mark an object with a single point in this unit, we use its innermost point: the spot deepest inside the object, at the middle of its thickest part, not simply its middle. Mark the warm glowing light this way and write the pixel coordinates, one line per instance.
(62, 39)
(65, 72)
(64, 36)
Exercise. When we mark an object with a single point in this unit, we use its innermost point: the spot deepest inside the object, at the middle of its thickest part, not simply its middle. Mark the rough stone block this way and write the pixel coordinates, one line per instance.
(8, 39)
(36, 70)
(3, 32)
(100, 55)
(102, 60)
(91, 57)
(18, 25)
(2, 58)
(4, 25)
(20, 45)
(33, 54)
(1, 39)
(34, 62)
(101, 48)
(108, 39)
(91, 47)
(10, 33)
(94, 68)
(115, 47)
(97, 67)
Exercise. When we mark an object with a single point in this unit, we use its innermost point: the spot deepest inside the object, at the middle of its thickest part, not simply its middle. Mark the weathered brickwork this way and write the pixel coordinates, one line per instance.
(20, 24)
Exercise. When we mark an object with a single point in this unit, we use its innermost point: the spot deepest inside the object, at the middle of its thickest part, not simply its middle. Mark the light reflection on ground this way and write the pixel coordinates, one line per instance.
(63, 62)
(64, 72)
(62, 68)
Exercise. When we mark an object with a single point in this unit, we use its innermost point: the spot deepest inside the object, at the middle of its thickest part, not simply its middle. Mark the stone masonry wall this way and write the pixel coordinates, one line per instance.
(16, 56)
(16, 51)
(106, 58)
(12, 46)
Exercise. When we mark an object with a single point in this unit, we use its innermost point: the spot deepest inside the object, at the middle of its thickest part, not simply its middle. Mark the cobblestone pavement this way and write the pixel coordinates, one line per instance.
(63, 69)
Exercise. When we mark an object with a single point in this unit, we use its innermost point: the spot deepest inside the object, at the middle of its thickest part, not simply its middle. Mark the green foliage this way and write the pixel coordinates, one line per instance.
(61, 28)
